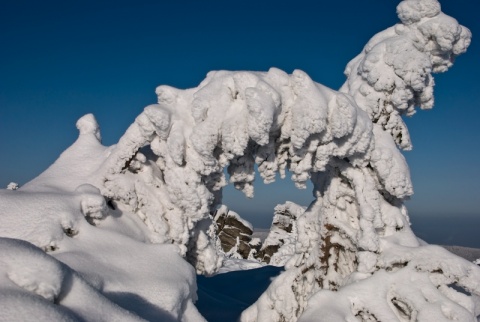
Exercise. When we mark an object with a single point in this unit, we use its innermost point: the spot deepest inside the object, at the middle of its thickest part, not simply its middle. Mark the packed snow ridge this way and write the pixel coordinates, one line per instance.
(103, 233)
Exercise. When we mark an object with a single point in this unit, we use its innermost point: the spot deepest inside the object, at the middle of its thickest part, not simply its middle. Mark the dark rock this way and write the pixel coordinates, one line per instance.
(235, 233)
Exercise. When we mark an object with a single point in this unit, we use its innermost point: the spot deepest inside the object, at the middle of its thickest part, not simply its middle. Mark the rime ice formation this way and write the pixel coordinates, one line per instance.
(233, 120)
(137, 207)
(12, 186)
(356, 233)
(392, 75)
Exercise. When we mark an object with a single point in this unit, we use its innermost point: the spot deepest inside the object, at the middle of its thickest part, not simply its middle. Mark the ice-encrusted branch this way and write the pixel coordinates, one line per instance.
(393, 74)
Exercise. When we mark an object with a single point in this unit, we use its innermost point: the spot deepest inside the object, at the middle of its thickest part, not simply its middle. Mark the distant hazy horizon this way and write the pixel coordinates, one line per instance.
(440, 229)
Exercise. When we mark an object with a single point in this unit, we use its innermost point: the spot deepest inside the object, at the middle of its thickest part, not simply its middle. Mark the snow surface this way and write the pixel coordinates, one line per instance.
(65, 255)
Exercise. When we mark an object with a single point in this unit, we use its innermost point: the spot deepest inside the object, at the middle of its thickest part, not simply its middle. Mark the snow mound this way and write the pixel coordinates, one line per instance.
(36, 286)
(90, 261)
(429, 296)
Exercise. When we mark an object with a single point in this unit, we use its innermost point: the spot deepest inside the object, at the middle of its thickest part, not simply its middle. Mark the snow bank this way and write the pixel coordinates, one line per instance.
(91, 261)
(36, 286)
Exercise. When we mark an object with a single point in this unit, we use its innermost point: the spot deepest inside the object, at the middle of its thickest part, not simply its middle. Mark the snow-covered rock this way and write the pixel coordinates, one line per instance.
(279, 246)
(234, 233)
(12, 186)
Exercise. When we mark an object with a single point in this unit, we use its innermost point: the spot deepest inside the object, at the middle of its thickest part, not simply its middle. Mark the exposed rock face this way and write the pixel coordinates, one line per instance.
(235, 233)
(236, 240)
(279, 245)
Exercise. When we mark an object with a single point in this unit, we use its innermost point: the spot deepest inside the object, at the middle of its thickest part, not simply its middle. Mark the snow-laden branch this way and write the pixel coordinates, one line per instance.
(232, 120)
(393, 74)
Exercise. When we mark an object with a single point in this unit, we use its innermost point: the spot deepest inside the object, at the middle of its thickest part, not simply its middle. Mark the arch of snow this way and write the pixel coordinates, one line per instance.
(346, 142)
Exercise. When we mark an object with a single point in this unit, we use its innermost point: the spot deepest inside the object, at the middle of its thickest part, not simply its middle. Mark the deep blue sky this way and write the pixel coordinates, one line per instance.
(62, 59)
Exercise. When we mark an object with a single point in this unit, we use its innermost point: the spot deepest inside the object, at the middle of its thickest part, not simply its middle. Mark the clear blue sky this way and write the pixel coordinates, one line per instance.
(62, 59)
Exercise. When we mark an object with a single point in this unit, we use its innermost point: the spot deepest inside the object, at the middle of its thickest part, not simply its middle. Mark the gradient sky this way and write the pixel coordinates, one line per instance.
(62, 59)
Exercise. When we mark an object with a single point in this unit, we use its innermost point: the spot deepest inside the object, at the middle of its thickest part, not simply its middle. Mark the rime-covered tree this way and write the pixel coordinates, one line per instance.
(356, 256)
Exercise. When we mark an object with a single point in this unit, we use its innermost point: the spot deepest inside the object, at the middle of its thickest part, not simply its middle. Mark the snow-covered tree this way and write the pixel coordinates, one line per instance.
(12, 186)
(356, 251)
(355, 256)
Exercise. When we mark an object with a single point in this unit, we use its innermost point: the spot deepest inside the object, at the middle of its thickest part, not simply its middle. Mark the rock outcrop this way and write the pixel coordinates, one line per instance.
(234, 233)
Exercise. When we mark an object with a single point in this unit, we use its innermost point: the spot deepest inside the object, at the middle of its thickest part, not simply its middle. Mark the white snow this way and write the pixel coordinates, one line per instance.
(235, 264)
(12, 186)
(99, 263)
